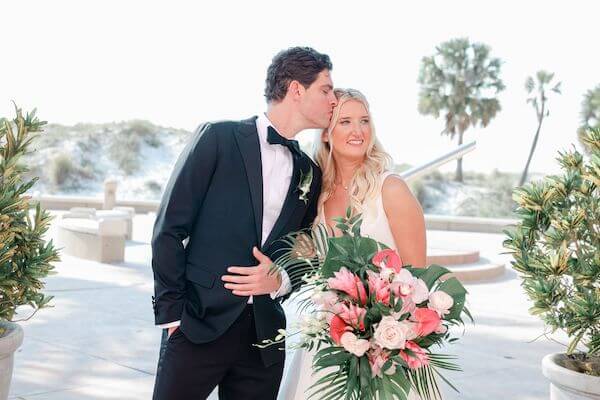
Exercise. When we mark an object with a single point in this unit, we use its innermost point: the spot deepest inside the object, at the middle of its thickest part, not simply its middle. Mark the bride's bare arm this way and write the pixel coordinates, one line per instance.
(407, 223)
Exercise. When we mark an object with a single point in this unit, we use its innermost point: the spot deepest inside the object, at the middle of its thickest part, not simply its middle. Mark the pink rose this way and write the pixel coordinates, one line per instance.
(389, 259)
(345, 281)
(390, 334)
(427, 321)
(417, 359)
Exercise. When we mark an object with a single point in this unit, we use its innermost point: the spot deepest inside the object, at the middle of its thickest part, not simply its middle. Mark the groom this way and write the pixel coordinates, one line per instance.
(236, 189)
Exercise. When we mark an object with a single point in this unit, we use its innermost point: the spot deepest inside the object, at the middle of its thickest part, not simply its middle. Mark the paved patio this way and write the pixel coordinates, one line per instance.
(99, 341)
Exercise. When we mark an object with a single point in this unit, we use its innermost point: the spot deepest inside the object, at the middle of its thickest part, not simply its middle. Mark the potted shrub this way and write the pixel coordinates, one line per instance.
(25, 257)
(556, 250)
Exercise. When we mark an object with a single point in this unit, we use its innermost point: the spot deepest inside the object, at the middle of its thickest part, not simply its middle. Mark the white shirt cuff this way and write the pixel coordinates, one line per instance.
(170, 325)
(285, 288)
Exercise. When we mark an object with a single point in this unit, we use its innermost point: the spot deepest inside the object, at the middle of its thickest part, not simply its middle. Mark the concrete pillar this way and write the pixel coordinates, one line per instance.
(110, 193)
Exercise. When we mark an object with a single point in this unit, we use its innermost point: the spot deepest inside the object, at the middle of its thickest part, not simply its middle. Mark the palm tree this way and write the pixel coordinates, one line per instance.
(590, 112)
(460, 80)
(539, 102)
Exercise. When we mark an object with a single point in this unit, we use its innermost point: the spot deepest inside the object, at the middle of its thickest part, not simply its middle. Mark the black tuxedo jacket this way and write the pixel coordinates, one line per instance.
(215, 198)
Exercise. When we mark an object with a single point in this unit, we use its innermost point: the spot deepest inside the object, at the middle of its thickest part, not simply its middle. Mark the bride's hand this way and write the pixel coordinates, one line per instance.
(252, 281)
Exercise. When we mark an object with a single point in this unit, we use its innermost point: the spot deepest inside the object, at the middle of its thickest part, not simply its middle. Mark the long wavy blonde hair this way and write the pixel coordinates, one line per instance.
(365, 184)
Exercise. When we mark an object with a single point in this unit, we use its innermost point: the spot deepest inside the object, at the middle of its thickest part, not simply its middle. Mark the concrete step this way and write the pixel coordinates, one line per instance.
(445, 256)
(482, 270)
(447, 248)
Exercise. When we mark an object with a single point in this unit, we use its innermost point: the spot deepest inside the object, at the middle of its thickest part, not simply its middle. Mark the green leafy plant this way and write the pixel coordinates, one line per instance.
(555, 247)
(25, 256)
(590, 113)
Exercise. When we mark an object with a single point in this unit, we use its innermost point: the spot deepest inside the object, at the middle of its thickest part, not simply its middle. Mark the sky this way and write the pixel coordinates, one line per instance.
(179, 63)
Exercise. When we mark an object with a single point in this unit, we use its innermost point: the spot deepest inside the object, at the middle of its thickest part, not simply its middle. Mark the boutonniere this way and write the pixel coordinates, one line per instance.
(304, 185)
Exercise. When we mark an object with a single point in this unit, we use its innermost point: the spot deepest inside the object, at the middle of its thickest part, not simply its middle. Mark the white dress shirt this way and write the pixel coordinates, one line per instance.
(277, 169)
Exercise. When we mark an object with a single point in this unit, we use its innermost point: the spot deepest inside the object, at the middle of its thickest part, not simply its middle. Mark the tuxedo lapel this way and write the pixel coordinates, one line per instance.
(292, 199)
(247, 140)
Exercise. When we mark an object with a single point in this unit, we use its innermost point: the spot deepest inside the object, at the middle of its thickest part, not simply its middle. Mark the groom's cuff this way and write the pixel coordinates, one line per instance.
(170, 325)
(284, 288)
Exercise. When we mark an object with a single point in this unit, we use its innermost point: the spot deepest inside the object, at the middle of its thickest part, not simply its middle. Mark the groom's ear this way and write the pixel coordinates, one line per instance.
(296, 89)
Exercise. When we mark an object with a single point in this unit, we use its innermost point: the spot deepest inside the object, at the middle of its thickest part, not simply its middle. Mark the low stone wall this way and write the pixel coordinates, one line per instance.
(433, 222)
(51, 202)
(467, 224)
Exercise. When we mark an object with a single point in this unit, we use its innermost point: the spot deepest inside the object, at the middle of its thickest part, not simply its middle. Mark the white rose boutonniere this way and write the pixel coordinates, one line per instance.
(304, 185)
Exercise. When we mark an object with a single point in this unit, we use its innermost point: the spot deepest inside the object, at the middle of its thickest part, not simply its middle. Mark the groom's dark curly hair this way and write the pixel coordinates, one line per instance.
(301, 64)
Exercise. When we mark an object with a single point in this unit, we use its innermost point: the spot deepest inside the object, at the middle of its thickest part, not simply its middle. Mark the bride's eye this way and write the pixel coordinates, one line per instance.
(365, 121)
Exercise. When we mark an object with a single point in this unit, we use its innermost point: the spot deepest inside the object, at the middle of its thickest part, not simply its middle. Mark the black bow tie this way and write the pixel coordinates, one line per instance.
(275, 138)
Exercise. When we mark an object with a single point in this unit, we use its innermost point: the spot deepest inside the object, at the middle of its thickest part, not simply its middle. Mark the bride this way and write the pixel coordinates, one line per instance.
(356, 175)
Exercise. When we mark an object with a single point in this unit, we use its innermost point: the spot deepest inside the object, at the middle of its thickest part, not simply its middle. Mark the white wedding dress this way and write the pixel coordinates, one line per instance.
(299, 377)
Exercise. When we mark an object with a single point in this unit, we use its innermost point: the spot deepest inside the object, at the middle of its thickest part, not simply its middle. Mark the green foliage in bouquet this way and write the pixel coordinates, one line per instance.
(25, 257)
(315, 256)
(556, 249)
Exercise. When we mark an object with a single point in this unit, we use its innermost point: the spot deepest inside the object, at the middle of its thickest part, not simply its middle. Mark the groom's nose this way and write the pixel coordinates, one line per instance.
(332, 99)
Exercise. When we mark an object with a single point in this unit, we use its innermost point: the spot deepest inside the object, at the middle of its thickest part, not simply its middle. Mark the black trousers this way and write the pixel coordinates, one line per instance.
(189, 371)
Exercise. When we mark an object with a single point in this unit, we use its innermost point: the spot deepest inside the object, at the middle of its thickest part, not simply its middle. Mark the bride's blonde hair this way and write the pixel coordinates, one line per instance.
(364, 185)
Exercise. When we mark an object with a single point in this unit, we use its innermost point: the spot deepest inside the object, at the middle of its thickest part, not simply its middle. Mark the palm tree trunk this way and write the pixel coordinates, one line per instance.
(535, 140)
(459, 171)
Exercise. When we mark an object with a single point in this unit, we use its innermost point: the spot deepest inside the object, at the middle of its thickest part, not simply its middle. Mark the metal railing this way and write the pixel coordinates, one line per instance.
(423, 169)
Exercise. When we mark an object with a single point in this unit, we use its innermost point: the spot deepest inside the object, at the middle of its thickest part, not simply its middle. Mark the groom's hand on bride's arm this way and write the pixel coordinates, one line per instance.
(252, 281)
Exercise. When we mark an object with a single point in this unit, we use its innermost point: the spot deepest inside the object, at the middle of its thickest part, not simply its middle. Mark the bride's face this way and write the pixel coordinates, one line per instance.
(351, 135)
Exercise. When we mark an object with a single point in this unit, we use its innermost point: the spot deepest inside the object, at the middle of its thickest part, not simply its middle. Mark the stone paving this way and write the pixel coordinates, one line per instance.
(99, 342)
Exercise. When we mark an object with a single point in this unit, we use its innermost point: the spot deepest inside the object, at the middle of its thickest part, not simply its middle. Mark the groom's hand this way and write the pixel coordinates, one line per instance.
(171, 331)
(252, 281)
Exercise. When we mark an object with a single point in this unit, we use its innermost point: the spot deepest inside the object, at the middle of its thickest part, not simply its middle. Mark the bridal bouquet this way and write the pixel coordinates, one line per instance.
(373, 322)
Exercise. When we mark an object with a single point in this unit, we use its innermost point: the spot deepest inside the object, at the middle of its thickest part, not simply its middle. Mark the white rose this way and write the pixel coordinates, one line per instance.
(441, 302)
(390, 334)
(421, 292)
(354, 345)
